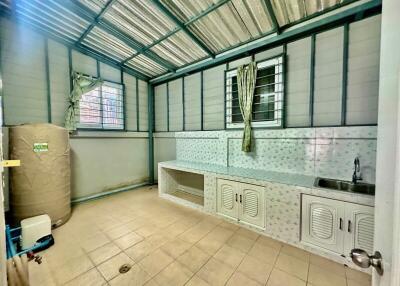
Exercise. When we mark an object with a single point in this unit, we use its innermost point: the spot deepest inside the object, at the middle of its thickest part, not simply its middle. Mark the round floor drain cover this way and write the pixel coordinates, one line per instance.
(124, 268)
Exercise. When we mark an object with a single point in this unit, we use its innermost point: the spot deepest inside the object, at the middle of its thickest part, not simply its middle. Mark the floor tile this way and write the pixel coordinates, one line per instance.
(136, 276)
(230, 256)
(71, 269)
(318, 276)
(327, 264)
(248, 233)
(292, 265)
(239, 279)
(95, 241)
(266, 241)
(147, 230)
(90, 278)
(280, 278)
(197, 281)
(215, 272)
(128, 240)
(255, 269)
(194, 258)
(110, 268)
(264, 253)
(117, 232)
(174, 274)
(104, 253)
(296, 252)
(240, 242)
(176, 247)
(155, 262)
(139, 250)
(357, 276)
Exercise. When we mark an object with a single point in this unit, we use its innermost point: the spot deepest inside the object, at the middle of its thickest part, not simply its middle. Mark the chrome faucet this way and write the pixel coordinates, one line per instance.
(356, 170)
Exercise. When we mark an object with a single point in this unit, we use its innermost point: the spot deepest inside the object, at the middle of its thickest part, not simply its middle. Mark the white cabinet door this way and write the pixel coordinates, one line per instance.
(322, 223)
(359, 228)
(252, 205)
(227, 198)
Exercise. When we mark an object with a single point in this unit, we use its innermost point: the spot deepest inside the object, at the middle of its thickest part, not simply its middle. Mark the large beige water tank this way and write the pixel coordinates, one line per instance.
(41, 185)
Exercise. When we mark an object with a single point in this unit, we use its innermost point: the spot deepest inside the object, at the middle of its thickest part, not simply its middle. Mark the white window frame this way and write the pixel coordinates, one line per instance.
(278, 95)
(101, 125)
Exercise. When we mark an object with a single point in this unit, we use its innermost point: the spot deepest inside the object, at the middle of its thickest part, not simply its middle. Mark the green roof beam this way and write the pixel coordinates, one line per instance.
(183, 27)
(96, 20)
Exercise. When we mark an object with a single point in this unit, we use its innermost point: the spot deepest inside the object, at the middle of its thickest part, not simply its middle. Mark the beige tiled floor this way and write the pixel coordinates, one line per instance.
(167, 244)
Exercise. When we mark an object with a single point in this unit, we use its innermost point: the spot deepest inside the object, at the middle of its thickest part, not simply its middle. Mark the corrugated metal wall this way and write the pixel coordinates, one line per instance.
(25, 85)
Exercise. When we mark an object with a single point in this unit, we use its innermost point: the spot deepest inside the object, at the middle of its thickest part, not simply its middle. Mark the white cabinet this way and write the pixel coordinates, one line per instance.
(242, 202)
(322, 220)
(227, 197)
(335, 225)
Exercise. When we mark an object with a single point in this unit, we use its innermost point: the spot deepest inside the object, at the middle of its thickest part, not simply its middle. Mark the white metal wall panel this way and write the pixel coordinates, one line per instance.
(130, 101)
(143, 106)
(24, 76)
(175, 105)
(363, 71)
(59, 81)
(193, 102)
(328, 77)
(268, 54)
(109, 73)
(298, 83)
(84, 64)
(214, 98)
(160, 107)
(239, 62)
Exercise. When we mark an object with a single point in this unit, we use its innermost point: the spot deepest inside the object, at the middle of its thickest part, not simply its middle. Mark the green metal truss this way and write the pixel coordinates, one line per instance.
(373, 6)
(183, 27)
(97, 19)
(88, 15)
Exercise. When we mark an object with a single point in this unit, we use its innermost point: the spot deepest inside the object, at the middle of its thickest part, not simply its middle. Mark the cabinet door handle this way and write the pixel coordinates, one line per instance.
(341, 224)
(240, 198)
(349, 226)
(236, 197)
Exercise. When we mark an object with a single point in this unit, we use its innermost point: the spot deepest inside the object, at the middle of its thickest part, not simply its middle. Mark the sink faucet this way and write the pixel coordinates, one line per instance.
(356, 170)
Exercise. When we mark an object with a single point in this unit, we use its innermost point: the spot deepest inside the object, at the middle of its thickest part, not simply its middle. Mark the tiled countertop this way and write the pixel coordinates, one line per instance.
(277, 177)
(270, 176)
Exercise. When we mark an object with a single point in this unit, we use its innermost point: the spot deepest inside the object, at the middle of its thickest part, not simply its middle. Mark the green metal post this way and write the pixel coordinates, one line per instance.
(151, 126)
(344, 71)
(312, 76)
(202, 100)
(183, 103)
(137, 105)
(168, 106)
(47, 70)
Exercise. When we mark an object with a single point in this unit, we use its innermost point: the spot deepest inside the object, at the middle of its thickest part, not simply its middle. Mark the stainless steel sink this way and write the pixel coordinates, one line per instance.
(346, 186)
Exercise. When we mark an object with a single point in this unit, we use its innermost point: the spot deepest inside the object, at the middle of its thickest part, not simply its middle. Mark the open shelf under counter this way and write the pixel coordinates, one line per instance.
(182, 186)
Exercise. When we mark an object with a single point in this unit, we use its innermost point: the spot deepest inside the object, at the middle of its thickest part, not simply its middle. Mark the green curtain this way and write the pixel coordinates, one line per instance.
(80, 84)
(246, 78)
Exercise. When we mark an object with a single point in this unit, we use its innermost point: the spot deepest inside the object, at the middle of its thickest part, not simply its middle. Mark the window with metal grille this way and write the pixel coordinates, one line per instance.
(102, 108)
(268, 96)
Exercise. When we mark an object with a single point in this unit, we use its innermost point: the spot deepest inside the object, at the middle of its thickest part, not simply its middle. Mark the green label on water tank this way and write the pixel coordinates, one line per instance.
(40, 147)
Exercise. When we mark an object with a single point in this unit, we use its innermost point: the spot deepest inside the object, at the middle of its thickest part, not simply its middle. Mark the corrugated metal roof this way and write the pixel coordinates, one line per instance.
(179, 49)
(55, 17)
(146, 66)
(233, 23)
(157, 36)
(289, 11)
(108, 44)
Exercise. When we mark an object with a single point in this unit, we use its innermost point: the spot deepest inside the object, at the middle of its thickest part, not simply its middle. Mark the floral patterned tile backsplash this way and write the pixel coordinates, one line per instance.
(322, 152)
